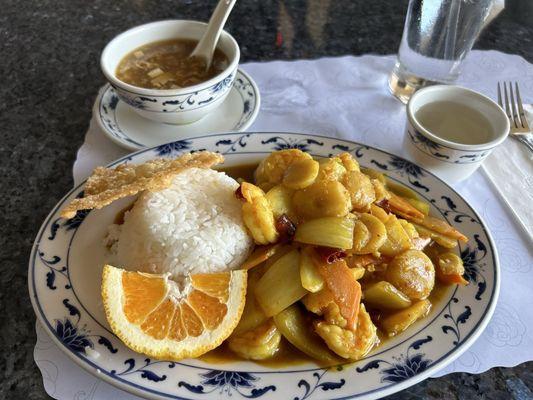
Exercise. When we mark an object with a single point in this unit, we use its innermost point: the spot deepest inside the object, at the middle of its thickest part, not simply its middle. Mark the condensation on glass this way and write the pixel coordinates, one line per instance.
(437, 36)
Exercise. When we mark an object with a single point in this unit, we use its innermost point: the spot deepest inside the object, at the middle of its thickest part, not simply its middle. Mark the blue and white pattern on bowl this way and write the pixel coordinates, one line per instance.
(107, 116)
(65, 268)
(178, 103)
(181, 108)
(445, 153)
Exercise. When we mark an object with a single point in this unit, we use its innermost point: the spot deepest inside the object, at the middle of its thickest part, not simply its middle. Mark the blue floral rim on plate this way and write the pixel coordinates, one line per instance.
(412, 357)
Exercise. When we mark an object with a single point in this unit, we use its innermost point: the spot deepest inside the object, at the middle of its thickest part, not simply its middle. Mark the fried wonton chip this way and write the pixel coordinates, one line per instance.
(106, 185)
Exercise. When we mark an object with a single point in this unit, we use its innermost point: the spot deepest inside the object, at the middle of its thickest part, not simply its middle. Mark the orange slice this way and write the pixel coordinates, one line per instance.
(152, 315)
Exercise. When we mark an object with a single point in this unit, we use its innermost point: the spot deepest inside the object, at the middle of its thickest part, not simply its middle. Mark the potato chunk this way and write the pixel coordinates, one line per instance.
(397, 239)
(309, 275)
(379, 213)
(300, 174)
(361, 236)
(361, 190)
(412, 272)
(324, 198)
(380, 190)
(374, 174)
(349, 162)
(331, 169)
(280, 200)
(377, 232)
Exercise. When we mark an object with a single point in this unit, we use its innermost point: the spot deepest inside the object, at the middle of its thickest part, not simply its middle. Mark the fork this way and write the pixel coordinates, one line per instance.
(515, 112)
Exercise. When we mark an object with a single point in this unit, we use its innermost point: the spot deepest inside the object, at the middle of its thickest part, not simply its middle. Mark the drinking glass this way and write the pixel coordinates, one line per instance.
(437, 36)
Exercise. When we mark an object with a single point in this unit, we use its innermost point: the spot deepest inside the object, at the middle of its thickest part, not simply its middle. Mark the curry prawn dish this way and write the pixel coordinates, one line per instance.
(321, 255)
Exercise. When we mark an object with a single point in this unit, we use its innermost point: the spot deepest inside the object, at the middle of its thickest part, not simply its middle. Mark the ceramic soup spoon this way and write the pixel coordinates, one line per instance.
(206, 46)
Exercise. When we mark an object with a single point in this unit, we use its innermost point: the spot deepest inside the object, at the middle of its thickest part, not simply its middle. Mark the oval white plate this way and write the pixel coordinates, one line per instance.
(65, 272)
(128, 129)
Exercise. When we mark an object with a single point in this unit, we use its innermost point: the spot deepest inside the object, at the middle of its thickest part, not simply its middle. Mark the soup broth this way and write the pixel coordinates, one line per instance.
(166, 65)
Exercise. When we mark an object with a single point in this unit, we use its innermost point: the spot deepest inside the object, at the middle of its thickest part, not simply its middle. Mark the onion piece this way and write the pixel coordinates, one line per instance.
(260, 255)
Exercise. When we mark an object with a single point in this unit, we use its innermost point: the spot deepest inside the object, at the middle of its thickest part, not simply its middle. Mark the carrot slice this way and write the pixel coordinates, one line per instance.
(440, 226)
(401, 207)
(451, 279)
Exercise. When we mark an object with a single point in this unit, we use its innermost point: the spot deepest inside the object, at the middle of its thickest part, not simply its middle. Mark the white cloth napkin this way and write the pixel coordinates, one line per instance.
(510, 168)
(347, 97)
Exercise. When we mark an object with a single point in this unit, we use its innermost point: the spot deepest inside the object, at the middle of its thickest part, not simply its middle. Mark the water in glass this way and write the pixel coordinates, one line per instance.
(437, 36)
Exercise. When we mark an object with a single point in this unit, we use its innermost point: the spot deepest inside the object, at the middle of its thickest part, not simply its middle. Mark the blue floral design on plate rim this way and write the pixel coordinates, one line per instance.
(267, 140)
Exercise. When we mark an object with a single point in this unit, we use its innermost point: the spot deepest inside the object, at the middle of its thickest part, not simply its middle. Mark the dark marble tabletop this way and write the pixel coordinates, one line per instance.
(49, 64)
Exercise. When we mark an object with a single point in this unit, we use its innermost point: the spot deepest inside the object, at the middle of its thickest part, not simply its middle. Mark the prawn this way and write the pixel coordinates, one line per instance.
(258, 343)
(271, 170)
(346, 343)
(257, 214)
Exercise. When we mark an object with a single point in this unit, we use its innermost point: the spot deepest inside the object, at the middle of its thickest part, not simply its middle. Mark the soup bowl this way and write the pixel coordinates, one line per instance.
(172, 106)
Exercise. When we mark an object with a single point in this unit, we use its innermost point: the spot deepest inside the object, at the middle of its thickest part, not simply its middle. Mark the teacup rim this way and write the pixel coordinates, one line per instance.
(111, 77)
(500, 136)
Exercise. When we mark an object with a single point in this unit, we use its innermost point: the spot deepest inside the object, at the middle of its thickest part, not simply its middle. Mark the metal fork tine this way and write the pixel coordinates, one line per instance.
(500, 95)
(507, 109)
(523, 118)
(514, 111)
(519, 129)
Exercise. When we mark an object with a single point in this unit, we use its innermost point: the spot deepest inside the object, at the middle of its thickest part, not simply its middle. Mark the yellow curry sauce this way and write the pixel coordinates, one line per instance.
(287, 354)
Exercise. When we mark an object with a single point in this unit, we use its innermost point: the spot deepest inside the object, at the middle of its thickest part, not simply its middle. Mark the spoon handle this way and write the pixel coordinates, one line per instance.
(206, 47)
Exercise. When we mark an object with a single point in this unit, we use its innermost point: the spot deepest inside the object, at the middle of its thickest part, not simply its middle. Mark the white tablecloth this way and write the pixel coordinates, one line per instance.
(347, 97)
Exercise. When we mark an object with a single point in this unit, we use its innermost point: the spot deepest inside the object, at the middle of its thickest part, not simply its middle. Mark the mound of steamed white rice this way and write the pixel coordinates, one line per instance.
(194, 226)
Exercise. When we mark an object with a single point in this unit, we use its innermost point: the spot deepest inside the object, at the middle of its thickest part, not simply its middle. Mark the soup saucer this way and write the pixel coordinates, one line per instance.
(128, 129)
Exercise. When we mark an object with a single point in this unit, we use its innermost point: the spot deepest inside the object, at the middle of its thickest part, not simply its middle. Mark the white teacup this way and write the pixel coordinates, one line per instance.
(457, 145)
(173, 106)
